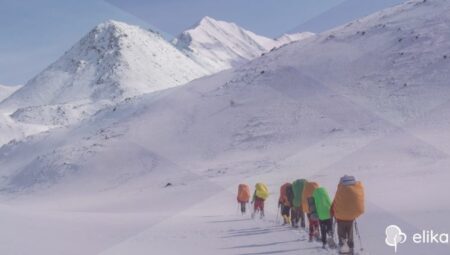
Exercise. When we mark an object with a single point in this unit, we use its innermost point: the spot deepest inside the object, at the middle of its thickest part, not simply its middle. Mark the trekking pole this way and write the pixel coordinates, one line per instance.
(237, 209)
(333, 230)
(359, 236)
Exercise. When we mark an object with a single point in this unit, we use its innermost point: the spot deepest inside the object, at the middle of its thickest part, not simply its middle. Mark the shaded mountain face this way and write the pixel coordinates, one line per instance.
(219, 45)
(112, 62)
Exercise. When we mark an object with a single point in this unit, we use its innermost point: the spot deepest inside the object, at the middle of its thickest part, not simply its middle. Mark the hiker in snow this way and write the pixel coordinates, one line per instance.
(243, 196)
(322, 206)
(260, 195)
(290, 198)
(309, 209)
(297, 213)
(348, 204)
(284, 204)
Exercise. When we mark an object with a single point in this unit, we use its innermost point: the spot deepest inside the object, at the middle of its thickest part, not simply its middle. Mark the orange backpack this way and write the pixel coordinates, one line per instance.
(348, 202)
(307, 193)
(243, 193)
(283, 197)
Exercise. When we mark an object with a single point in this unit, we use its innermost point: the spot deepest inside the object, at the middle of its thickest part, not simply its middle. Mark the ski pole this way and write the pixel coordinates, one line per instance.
(359, 236)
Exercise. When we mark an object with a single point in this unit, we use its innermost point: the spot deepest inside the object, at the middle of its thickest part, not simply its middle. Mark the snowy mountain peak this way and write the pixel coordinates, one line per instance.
(113, 61)
(117, 29)
(209, 21)
(217, 45)
(111, 24)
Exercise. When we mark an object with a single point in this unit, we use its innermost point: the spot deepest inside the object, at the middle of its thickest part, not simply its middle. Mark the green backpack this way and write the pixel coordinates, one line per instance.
(323, 203)
(297, 187)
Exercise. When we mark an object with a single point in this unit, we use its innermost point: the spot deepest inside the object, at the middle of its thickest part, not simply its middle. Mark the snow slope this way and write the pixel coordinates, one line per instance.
(371, 100)
(9, 129)
(113, 61)
(219, 45)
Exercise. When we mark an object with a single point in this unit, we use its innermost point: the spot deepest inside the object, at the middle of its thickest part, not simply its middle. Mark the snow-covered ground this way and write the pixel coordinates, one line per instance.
(10, 129)
(369, 99)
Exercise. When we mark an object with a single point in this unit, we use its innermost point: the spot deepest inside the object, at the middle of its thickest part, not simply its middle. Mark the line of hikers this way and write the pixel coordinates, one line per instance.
(304, 197)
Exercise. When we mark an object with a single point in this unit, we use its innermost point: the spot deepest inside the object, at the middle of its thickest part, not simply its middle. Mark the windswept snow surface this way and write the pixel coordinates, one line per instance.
(158, 173)
(219, 45)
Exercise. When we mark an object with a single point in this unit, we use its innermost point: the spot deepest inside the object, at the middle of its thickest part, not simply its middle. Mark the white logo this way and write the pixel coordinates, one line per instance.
(394, 236)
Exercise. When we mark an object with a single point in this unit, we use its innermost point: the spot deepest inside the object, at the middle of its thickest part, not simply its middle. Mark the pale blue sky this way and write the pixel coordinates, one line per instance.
(33, 34)
(266, 17)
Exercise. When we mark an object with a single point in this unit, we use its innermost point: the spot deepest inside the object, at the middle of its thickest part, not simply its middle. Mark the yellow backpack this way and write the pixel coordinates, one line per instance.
(262, 191)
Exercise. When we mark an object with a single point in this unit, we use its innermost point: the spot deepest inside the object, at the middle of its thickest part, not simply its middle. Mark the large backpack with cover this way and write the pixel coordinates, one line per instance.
(297, 188)
(323, 203)
(243, 193)
(262, 191)
(307, 193)
(348, 202)
(283, 194)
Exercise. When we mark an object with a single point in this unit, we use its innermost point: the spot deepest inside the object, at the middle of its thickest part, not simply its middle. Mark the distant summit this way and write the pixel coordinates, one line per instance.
(218, 45)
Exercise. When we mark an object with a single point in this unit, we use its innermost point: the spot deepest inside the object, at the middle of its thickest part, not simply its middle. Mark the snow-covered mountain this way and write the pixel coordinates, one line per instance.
(112, 62)
(219, 45)
(115, 61)
(369, 99)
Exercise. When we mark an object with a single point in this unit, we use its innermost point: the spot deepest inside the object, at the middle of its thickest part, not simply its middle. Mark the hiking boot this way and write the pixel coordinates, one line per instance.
(344, 249)
(331, 243)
